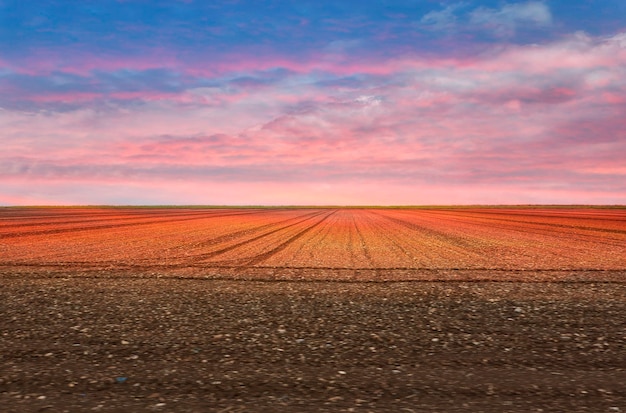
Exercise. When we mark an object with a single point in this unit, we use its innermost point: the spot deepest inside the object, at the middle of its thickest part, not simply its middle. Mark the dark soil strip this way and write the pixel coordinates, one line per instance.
(148, 345)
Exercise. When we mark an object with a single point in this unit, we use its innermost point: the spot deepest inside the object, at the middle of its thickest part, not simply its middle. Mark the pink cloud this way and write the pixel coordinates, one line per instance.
(82, 62)
(525, 124)
(578, 51)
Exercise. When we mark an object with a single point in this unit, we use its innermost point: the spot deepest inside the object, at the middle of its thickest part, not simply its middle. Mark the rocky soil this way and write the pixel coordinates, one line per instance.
(187, 345)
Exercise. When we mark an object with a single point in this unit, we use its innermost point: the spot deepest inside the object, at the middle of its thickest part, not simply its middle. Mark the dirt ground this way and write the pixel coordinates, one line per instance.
(72, 344)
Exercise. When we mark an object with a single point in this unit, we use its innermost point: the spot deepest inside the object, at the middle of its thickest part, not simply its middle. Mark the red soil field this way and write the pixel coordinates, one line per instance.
(370, 244)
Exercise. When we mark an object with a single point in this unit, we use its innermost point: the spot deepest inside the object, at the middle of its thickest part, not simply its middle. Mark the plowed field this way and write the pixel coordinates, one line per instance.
(330, 244)
(173, 310)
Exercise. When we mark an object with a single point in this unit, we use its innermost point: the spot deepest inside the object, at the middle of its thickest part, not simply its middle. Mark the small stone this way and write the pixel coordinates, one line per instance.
(125, 342)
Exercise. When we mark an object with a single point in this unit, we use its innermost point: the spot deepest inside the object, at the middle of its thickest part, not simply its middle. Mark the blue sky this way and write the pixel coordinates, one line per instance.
(119, 27)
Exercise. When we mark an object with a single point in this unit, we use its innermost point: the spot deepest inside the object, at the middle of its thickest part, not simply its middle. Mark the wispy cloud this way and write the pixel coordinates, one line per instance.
(510, 17)
(445, 19)
(502, 22)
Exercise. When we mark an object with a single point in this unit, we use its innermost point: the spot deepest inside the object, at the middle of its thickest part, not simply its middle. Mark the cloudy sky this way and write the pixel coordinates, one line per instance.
(312, 102)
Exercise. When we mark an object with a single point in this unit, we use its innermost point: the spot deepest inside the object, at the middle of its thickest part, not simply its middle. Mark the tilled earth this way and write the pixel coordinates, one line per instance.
(189, 345)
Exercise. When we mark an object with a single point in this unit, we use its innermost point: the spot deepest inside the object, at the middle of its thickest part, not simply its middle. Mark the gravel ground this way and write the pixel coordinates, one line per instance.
(160, 345)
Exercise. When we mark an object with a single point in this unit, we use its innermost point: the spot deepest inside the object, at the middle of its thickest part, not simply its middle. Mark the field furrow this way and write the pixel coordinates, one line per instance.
(331, 245)
(289, 242)
(18, 231)
(259, 242)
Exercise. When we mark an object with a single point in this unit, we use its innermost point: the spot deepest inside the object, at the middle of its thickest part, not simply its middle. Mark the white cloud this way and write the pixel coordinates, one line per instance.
(504, 21)
(618, 40)
(368, 100)
(445, 19)
(510, 17)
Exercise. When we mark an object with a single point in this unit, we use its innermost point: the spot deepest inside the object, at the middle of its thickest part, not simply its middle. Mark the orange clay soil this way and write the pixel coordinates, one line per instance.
(513, 244)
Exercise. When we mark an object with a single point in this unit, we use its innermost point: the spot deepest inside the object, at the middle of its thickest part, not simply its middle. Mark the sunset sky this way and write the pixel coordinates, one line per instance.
(319, 102)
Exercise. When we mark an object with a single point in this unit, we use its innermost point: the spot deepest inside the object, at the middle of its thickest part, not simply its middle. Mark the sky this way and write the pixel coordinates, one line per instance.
(272, 102)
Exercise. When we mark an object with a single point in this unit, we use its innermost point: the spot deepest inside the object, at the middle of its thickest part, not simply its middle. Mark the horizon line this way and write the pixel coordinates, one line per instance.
(409, 206)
